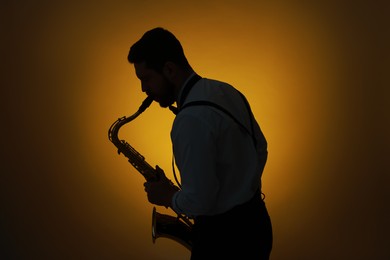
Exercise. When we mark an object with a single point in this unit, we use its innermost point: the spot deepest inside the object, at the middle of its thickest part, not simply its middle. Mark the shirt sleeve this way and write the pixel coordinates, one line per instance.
(194, 144)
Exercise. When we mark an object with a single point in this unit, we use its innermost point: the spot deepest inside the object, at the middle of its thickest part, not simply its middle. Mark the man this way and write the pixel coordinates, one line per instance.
(219, 150)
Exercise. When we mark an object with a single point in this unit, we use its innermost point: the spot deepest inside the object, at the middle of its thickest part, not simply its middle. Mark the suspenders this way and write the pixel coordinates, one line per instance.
(187, 89)
(208, 103)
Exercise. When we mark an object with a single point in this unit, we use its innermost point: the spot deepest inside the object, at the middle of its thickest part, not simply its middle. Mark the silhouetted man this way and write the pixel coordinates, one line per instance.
(219, 150)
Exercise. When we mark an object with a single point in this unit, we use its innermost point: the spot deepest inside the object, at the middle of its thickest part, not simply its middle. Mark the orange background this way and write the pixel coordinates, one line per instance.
(317, 77)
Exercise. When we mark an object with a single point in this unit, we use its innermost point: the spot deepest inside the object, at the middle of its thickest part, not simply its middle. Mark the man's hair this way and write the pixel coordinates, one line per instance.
(155, 48)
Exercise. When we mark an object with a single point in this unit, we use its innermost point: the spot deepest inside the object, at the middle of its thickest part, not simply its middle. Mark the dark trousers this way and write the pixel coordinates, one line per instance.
(244, 232)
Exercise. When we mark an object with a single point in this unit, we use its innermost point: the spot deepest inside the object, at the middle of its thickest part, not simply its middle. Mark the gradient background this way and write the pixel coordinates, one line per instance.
(317, 77)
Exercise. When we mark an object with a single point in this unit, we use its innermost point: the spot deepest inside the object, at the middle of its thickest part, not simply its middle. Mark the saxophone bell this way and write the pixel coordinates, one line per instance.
(175, 228)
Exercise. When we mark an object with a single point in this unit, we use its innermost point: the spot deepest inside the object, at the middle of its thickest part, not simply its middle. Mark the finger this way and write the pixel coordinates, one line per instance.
(147, 186)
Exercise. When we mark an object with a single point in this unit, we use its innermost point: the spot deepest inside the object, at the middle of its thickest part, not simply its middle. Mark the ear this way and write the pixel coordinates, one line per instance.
(169, 69)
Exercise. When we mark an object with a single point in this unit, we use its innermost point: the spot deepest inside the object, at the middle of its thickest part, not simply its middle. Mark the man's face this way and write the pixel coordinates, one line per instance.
(155, 85)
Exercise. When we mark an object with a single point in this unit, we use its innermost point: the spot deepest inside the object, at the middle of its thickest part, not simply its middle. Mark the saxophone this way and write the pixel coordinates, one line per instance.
(176, 228)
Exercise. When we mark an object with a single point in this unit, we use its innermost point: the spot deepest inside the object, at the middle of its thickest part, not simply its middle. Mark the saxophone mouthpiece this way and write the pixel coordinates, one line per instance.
(145, 104)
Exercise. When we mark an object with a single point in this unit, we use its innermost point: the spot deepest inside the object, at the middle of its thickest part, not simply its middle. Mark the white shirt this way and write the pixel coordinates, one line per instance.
(218, 163)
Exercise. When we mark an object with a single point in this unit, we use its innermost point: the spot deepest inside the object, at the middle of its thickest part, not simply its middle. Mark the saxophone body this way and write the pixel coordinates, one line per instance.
(176, 228)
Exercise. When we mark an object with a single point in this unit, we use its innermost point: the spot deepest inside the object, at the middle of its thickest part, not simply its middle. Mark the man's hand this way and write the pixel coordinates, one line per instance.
(160, 192)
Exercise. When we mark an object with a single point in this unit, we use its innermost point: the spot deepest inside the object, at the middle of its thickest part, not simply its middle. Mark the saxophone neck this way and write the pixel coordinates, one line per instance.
(114, 129)
(145, 104)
